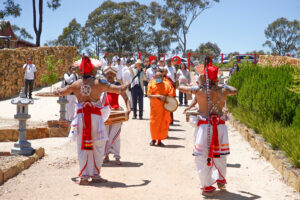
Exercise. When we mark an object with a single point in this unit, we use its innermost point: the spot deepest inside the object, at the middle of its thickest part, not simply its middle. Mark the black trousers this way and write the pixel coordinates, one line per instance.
(137, 97)
(181, 94)
(28, 84)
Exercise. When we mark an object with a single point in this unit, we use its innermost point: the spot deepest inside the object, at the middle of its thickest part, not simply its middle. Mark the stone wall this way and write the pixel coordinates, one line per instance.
(12, 61)
(267, 60)
(7, 135)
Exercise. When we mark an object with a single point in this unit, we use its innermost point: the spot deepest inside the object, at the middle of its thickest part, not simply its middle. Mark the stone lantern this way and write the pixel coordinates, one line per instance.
(62, 101)
(22, 146)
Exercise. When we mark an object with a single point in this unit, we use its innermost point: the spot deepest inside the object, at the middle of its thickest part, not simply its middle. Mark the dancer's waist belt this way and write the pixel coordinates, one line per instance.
(214, 148)
(88, 109)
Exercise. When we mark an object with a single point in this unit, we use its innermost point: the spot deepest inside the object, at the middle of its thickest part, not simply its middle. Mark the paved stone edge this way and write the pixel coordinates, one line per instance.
(21, 165)
(34, 133)
(290, 174)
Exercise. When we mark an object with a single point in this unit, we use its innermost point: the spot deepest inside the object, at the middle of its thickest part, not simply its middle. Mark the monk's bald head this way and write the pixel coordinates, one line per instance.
(158, 74)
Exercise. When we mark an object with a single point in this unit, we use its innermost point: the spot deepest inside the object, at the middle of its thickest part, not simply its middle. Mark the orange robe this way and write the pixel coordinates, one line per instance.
(159, 117)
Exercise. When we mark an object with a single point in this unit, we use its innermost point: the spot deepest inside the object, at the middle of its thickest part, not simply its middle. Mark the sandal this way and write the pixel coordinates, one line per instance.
(152, 143)
(221, 186)
(98, 179)
(106, 159)
(118, 162)
(160, 144)
(83, 181)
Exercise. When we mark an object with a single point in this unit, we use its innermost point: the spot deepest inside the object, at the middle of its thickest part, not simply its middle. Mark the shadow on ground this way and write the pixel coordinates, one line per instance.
(171, 129)
(174, 138)
(172, 146)
(124, 164)
(225, 195)
(237, 165)
(113, 184)
(175, 125)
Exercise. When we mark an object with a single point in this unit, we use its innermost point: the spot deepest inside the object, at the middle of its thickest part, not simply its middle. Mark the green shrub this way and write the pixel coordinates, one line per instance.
(296, 120)
(278, 135)
(264, 92)
(266, 103)
(51, 77)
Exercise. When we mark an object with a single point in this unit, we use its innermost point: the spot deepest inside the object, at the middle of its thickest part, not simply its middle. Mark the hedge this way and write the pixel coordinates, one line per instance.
(266, 104)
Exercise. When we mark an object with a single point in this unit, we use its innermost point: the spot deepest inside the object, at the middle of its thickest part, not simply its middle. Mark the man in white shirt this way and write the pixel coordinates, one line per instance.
(150, 73)
(104, 61)
(30, 71)
(70, 77)
(162, 62)
(126, 78)
(119, 69)
(137, 88)
(171, 70)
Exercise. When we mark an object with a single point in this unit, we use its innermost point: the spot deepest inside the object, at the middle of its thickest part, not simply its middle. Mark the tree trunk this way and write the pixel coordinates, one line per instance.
(38, 31)
(184, 44)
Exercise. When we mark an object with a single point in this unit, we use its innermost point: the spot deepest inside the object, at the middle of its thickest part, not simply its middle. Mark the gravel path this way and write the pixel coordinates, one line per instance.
(147, 173)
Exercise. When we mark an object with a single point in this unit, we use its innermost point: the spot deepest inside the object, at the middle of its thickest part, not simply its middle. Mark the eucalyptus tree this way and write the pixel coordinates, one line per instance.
(177, 16)
(120, 27)
(283, 36)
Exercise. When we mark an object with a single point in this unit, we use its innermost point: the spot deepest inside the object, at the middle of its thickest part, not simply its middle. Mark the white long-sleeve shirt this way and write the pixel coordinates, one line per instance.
(70, 78)
(150, 73)
(171, 72)
(119, 69)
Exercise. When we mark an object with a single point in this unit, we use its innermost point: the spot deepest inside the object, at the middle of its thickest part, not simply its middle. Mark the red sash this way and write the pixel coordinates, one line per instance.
(87, 109)
(214, 149)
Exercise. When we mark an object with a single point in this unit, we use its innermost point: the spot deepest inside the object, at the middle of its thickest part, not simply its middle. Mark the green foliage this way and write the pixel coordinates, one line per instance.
(296, 120)
(177, 16)
(279, 136)
(21, 33)
(51, 77)
(119, 27)
(10, 8)
(204, 49)
(72, 35)
(265, 103)
(283, 36)
(264, 92)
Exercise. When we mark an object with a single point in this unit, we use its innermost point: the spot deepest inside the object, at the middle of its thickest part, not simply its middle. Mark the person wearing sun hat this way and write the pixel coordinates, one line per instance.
(113, 130)
(137, 88)
(211, 136)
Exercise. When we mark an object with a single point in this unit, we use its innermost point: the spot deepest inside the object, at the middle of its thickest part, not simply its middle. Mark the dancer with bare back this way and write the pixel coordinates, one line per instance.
(88, 126)
(211, 137)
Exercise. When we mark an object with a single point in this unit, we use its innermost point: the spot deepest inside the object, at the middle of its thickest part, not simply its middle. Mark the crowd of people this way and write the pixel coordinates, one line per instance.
(96, 93)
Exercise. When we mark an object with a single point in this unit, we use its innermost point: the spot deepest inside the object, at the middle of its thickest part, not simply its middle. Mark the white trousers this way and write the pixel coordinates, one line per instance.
(209, 175)
(216, 172)
(128, 93)
(70, 107)
(90, 161)
(113, 142)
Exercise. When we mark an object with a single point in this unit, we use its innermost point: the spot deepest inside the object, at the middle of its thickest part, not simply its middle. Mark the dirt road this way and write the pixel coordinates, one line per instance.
(147, 173)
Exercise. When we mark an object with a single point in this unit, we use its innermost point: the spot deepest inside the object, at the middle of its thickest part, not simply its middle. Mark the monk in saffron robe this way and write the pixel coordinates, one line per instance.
(160, 119)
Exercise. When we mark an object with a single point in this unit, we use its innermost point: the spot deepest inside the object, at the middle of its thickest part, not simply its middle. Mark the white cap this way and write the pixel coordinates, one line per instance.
(109, 69)
(139, 61)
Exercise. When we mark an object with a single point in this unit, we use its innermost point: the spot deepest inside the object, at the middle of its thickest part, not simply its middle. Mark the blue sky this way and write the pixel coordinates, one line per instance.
(235, 25)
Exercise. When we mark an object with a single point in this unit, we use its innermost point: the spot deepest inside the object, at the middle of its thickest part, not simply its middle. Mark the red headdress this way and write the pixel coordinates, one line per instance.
(86, 65)
(211, 70)
(152, 58)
